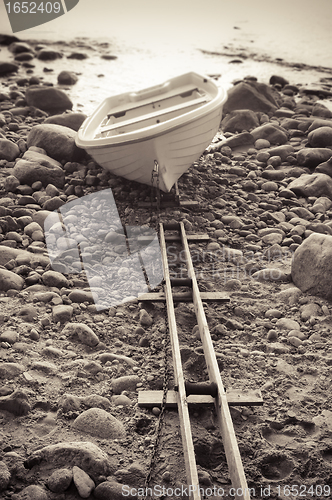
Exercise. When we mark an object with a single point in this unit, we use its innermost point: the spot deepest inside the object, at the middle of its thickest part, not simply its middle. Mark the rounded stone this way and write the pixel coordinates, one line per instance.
(273, 313)
(83, 482)
(9, 336)
(79, 296)
(320, 137)
(84, 333)
(32, 492)
(99, 422)
(10, 281)
(287, 324)
(48, 99)
(262, 156)
(4, 476)
(60, 480)
(8, 150)
(272, 238)
(111, 490)
(11, 183)
(54, 279)
(67, 78)
(270, 186)
(62, 313)
(58, 141)
(311, 265)
(125, 383)
(295, 341)
(272, 335)
(261, 144)
(145, 318)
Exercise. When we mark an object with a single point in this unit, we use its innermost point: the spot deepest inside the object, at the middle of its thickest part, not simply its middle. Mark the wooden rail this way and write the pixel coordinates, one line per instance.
(180, 398)
(232, 452)
(187, 440)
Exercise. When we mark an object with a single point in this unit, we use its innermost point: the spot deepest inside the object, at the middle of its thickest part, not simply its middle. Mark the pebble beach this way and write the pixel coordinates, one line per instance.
(70, 374)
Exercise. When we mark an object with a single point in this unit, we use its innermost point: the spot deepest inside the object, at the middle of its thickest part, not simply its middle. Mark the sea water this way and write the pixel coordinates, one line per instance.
(154, 41)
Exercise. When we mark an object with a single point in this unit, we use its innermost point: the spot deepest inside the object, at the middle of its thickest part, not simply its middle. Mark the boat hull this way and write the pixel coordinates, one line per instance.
(174, 144)
(174, 151)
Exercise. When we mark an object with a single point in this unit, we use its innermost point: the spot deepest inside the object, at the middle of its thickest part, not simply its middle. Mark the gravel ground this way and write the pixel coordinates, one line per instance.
(71, 427)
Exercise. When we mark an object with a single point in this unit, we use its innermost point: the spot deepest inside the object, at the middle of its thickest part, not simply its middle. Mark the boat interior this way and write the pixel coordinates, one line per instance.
(140, 111)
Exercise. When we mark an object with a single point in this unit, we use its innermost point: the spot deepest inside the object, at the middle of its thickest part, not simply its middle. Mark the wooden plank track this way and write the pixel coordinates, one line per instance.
(187, 393)
(187, 441)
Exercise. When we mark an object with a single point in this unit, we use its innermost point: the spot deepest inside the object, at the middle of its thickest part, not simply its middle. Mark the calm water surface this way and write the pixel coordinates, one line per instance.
(154, 41)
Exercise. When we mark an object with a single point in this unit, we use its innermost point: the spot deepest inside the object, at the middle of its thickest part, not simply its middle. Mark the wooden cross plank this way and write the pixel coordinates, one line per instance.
(175, 237)
(189, 204)
(151, 399)
(191, 237)
(185, 297)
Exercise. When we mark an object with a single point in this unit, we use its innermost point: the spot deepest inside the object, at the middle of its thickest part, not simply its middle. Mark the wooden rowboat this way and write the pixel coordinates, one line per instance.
(168, 125)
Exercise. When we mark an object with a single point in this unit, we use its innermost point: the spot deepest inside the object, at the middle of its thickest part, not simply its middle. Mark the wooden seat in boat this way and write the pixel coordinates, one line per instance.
(179, 107)
(145, 98)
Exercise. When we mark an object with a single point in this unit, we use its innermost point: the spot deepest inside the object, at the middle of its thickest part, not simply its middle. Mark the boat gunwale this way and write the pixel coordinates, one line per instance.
(92, 144)
(155, 130)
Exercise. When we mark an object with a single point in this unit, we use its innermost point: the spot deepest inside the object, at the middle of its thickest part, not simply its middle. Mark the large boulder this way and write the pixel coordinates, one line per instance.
(8, 39)
(320, 137)
(325, 167)
(311, 157)
(251, 95)
(321, 111)
(48, 99)
(319, 122)
(10, 281)
(321, 205)
(7, 67)
(312, 265)
(58, 141)
(8, 150)
(282, 151)
(312, 185)
(19, 47)
(237, 140)
(278, 80)
(70, 120)
(34, 166)
(239, 120)
(85, 455)
(48, 55)
(273, 133)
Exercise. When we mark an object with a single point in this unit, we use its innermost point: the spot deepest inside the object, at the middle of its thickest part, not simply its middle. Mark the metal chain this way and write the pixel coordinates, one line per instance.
(152, 190)
(155, 176)
(156, 445)
(156, 167)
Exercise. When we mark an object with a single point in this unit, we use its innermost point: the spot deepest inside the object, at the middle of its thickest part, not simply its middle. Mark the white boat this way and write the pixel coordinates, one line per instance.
(168, 125)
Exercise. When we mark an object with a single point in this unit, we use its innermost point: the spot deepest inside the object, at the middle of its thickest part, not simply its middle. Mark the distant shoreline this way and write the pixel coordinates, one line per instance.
(265, 58)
